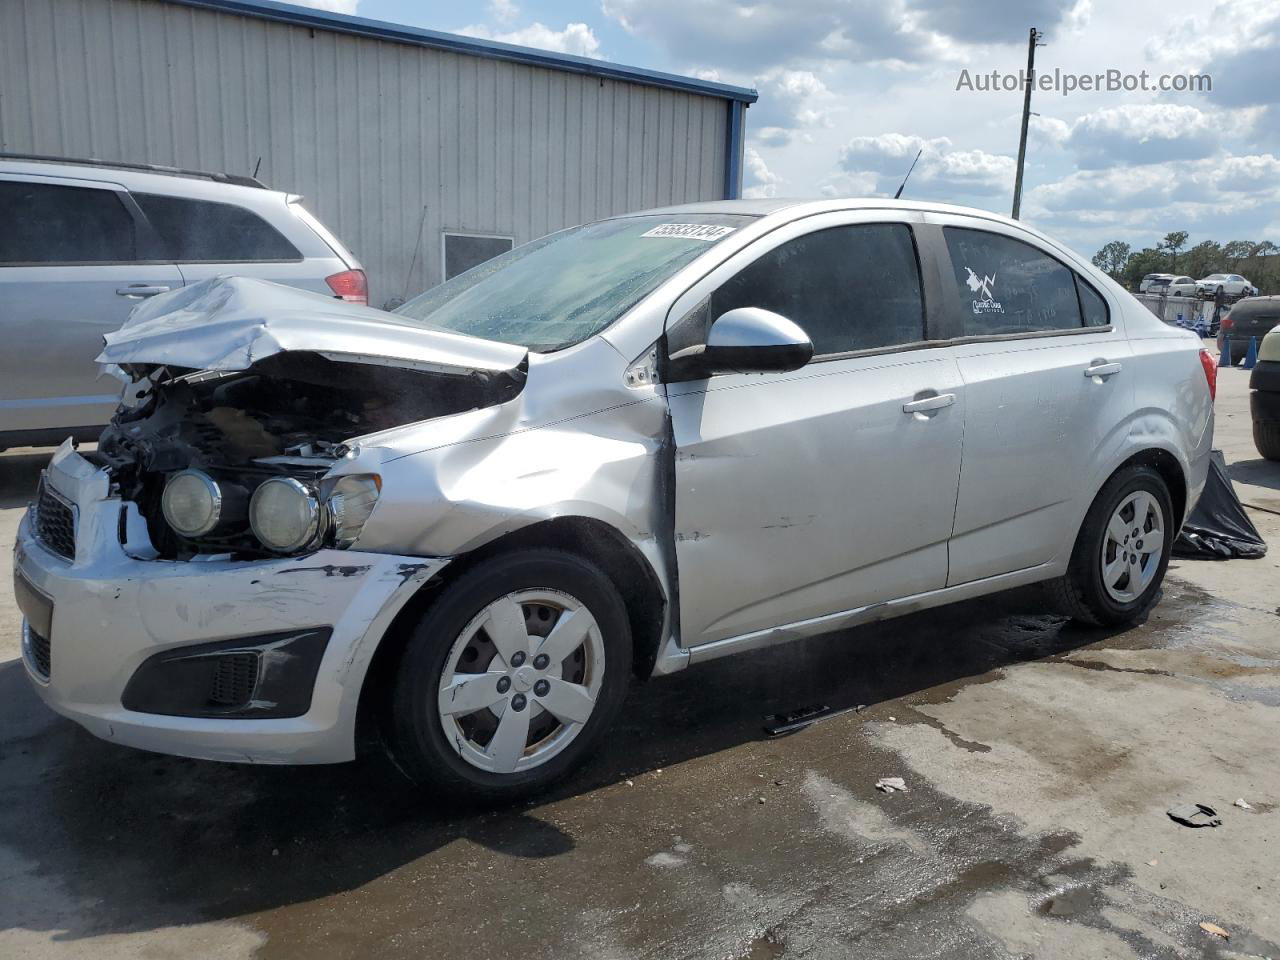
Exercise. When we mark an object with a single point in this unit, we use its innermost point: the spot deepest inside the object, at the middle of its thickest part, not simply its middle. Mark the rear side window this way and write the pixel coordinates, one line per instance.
(1009, 287)
(849, 288)
(194, 230)
(45, 223)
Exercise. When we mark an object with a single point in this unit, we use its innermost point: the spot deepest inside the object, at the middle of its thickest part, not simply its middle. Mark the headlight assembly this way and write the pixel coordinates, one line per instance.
(285, 515)
(192, 503)
(350, 503)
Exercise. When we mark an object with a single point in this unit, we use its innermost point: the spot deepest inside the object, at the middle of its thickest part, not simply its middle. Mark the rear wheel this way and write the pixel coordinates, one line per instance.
(511, 677)
(1121, 552)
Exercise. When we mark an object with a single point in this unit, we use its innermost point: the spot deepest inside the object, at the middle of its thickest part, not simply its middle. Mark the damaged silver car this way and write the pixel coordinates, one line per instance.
(620, 450)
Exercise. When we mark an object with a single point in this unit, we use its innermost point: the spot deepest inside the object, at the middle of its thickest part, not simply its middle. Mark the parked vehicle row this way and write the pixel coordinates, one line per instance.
(626, 448)
(83, 243)
(1232, 285)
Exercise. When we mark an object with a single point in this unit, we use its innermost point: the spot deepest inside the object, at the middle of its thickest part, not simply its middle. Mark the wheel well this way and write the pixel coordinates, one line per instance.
(591, 539)
(1165, 464)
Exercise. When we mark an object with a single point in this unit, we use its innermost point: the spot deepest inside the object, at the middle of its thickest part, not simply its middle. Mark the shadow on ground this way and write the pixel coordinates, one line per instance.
(1259, 472)
(154, 840)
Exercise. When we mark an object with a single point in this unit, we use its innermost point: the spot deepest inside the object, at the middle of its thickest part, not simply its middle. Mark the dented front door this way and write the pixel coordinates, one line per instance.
(812, 492)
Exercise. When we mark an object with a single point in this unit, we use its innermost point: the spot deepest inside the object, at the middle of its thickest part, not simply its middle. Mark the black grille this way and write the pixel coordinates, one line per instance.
(234, 680)
(55, 522)
(38, 653)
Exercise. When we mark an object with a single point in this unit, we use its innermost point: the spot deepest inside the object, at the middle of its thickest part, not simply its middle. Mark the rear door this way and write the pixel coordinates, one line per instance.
(1048, 387)
(75, 257)
(830, 487)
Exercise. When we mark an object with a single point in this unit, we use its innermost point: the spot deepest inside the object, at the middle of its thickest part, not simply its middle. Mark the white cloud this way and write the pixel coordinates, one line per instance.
(1147, 133)
(333, 6)
(762, 182)
(850, 185)
(576, 38)
(791, 99)
(504, 11)
(1048, 131)
(769, 33)
(941, 167)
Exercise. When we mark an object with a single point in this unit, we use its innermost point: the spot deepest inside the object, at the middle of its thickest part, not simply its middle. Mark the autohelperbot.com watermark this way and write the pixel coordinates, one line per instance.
(1065, 82)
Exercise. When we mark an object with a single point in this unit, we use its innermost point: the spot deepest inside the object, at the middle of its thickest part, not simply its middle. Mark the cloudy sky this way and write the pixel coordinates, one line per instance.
(851, 89)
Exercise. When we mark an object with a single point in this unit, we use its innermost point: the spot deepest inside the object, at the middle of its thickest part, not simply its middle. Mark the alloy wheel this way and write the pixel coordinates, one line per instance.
(1132, 546)
(521, 680)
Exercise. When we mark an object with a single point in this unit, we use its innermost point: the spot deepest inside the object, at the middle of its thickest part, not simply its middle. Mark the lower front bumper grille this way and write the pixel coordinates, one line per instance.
(38, 653)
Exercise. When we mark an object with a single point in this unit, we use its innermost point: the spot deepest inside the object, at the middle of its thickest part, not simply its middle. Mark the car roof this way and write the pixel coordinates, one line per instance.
(139, 177)
(1268, 303)
(794, 208)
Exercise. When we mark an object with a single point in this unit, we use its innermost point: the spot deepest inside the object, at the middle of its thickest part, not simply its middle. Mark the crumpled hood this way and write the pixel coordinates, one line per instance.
(230, 323)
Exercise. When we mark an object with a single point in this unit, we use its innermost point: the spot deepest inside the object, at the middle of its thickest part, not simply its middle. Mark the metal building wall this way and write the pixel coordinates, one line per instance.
(369, 131)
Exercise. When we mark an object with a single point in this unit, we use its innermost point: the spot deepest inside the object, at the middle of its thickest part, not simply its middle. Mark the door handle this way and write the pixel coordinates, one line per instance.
(1101, 369)
(925, 404)
(137, 291)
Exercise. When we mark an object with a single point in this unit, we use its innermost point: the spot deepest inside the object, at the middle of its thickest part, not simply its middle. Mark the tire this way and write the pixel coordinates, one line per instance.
(1266, 437)
(1082, 593)
(446, 760)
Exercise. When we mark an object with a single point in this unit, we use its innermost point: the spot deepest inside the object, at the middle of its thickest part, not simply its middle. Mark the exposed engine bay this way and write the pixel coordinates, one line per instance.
(289, 415)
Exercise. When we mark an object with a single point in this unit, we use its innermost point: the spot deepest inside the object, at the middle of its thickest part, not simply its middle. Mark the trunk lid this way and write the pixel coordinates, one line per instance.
(230, 323)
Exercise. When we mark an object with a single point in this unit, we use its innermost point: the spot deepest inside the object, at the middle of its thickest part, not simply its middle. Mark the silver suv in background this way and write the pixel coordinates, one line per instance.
(83, 242)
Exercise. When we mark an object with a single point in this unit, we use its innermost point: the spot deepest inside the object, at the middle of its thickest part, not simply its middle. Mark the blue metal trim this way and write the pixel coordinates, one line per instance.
(733, 150)
(400, 33)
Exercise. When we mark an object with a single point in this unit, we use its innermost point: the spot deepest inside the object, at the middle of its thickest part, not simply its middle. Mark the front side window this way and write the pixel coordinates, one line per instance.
(849, 288)
(202, 230)
(571, 285)
(1010, 287)
(49, 223)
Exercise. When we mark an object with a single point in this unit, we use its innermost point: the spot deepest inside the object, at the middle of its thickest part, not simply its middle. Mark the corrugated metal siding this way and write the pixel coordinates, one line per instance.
(369, 131)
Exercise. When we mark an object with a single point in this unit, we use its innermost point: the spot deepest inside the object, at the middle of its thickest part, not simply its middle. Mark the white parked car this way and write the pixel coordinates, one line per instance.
(625, 449)
(1155, 282)
(1181, 286)
(1231, 284)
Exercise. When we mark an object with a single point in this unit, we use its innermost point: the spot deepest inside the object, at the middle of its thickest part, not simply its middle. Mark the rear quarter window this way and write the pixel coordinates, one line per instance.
(204, 230)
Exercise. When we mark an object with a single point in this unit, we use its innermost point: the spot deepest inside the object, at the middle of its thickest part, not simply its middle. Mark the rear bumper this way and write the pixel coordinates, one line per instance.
(111, 612)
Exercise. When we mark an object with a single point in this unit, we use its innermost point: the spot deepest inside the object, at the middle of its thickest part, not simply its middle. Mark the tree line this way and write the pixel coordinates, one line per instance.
(1256, 261)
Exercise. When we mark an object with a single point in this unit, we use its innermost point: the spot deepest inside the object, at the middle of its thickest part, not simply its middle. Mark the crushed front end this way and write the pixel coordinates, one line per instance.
(196, 585)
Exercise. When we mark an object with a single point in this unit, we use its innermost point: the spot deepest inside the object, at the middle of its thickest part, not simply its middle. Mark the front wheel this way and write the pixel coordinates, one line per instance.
(511, 677)
(1121, 552)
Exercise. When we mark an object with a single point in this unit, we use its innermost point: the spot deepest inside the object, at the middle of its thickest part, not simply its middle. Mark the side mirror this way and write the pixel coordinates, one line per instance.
(745, 340)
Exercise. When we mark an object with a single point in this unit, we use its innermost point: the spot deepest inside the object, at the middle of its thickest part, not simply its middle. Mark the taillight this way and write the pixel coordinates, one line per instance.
(349, 285)
(1226, 321)
(1210, 372)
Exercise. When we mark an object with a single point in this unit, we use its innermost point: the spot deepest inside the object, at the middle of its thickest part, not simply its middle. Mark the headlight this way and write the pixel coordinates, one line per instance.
(192, 503)
(284, 515)
(350, 503)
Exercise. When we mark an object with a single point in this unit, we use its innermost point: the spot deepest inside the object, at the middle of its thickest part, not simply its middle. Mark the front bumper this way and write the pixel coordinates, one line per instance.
(112, 610)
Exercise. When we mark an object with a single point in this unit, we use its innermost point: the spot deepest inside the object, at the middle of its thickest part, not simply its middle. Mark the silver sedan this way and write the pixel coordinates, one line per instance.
(624, 449)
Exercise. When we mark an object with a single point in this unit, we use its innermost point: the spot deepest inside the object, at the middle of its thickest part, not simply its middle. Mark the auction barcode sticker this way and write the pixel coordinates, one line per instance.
(689, 231)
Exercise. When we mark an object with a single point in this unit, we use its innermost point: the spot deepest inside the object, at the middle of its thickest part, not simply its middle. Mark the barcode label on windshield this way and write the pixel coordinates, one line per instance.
(689, 231)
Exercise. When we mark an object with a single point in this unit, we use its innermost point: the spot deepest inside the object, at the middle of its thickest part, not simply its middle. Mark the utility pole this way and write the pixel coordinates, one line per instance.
(1033, 41)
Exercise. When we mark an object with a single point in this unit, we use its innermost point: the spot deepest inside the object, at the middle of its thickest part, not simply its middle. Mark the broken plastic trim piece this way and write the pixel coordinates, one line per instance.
(780, 724)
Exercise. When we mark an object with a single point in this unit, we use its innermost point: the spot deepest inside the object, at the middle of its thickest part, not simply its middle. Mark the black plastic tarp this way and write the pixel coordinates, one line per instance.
(1218, 528)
